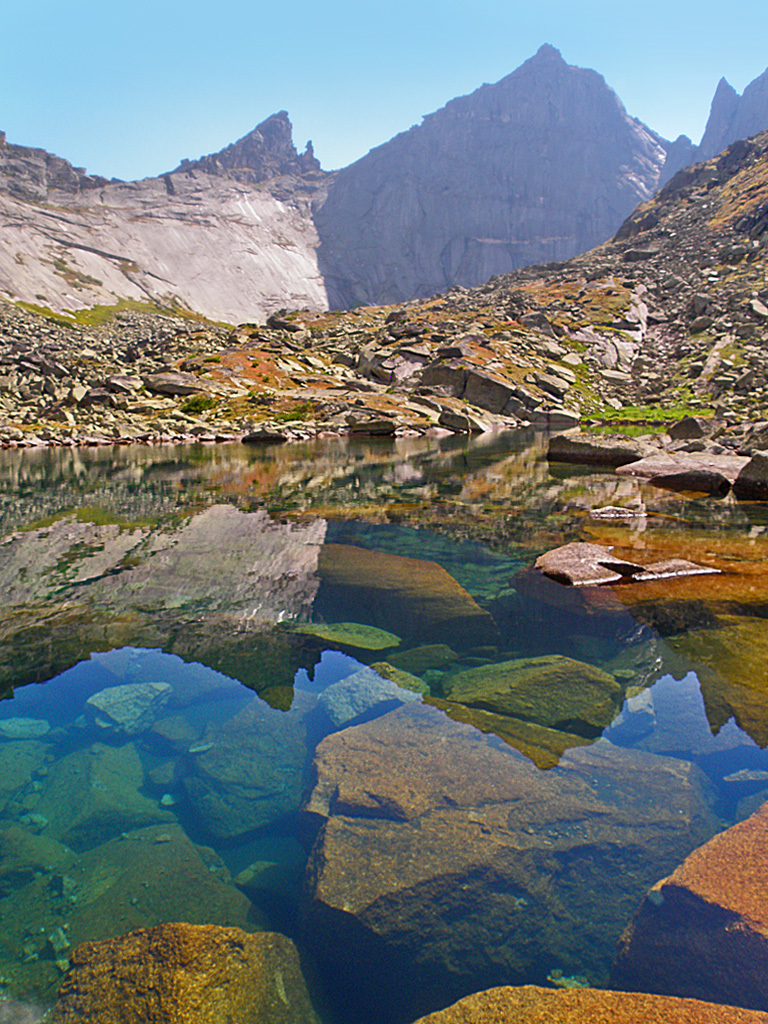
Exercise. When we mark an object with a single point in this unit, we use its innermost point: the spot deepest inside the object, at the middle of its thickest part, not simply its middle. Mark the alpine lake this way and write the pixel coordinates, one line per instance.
(320, 690)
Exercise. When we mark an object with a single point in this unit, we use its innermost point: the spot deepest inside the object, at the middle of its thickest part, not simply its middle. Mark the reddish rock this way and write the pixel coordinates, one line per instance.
(533, 1005)
(185, 974)
(704, 930)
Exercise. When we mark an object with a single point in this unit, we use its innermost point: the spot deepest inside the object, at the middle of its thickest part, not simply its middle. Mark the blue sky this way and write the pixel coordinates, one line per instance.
(128, 89)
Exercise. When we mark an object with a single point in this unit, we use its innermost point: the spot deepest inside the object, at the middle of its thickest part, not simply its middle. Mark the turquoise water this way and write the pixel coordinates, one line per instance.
(262, 689)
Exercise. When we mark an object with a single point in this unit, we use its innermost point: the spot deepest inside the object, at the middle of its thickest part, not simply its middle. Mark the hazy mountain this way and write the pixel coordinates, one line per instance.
(733, 117)
(542, 165)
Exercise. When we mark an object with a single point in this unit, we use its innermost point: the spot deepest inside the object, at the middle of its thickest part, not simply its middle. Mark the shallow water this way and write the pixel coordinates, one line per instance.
(262, 688)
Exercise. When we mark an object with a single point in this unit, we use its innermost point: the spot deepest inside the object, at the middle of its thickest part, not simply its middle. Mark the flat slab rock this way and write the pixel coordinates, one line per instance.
(655, 466)
(596, 450)
(588, 565)
(704, 929)
(530, 1004)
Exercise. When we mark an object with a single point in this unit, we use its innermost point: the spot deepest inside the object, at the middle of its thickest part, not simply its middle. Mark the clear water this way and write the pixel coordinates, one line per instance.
(173, 747)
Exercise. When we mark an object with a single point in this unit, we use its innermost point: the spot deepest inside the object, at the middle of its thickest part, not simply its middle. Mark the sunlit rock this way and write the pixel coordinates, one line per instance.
(704, 929)
(553, 691)
(533, 1005)
(140, 879)
(186, 974)
(447, 862)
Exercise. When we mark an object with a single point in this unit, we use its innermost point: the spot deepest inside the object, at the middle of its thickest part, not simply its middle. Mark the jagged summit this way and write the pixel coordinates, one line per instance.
(546, 52)
(539, 166)
(733, 116)
(266, 152)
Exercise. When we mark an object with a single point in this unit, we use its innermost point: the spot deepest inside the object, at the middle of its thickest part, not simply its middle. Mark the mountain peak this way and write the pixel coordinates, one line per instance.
(265, 152)
(548, 52)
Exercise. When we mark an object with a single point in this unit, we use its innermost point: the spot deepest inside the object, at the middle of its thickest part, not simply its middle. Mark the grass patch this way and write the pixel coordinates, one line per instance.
(198, 403)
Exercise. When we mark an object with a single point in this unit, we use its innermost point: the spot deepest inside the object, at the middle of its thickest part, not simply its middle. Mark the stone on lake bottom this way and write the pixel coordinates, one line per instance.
(360, 693)
(23, 728)
(131, 707)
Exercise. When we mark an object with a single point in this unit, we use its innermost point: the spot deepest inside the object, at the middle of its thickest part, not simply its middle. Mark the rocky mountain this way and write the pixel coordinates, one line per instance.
(210, 237)
(670, 316)
(266, 152)
(542, 165)
(538, 167)
(734, 117)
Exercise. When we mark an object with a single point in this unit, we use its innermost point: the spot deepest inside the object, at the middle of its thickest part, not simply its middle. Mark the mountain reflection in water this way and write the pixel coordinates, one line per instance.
(319, 690)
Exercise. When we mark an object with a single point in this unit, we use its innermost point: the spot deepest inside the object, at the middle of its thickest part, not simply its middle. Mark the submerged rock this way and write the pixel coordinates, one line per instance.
(23, 728)
(248, 771)
(18, 761)
(533, 1005)
(553, 691)
(186, 974)
(415, 599)
(362, 692)
(704, 929)
(91, 795)
(446, 862)
(729, 661)
(131, 708)
(139, 879)
(353, 635)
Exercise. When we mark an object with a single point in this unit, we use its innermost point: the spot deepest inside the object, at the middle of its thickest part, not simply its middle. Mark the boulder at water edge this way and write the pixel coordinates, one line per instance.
(533, 1005)
(704, 930)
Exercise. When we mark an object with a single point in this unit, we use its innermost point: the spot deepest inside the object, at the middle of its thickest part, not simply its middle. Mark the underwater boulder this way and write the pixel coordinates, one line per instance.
(139, 879)
(130, 708)
(445, 862)
(247, 771)
(363, 692)
(413, 598)
(554, 691)
(93, 794)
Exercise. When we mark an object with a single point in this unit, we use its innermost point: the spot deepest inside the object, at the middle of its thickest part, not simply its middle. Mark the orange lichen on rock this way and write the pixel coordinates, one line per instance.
(533, 1005)
(704, 929)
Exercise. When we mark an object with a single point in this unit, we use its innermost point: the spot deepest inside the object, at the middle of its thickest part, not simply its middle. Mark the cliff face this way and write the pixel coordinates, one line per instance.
(542, 165)
(735, 117)
(209, 237)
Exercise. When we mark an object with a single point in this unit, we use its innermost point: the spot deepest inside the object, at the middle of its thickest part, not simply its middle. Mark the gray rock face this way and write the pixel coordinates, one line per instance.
(539, 166)
(266, 152)
(733, 117)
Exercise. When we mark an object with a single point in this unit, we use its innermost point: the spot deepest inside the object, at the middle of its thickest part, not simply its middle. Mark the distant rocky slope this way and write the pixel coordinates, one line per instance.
(538, 167)
(542, 165)
(669, 316)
